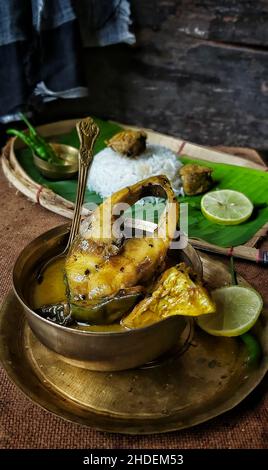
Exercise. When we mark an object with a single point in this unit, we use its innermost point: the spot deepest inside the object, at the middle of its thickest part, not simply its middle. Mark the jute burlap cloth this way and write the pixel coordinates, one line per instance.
(25, 425)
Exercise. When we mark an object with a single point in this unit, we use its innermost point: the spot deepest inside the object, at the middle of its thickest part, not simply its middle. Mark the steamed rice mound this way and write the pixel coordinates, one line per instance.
(111, 171)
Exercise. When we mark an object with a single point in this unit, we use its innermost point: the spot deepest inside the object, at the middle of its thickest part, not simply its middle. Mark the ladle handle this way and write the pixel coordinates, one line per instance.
(88, 132)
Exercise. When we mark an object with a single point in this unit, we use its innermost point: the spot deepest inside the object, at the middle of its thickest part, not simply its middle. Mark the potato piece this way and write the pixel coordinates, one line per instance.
(129, 142)
(196, 179)
(177, 292)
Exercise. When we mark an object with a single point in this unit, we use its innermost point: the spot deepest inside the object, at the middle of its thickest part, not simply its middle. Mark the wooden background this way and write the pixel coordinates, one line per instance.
(199, 71)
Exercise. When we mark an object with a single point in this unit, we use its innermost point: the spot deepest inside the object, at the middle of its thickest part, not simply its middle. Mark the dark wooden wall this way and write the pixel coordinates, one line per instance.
(199, 71)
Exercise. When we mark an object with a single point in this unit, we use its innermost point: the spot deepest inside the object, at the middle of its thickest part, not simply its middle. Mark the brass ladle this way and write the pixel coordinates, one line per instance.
(88, 132)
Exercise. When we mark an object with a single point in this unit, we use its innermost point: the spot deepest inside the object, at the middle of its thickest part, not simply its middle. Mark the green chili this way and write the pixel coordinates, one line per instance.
(43, 147)
(28, 141)
(253, 348)
(32, 130)
(36, 142)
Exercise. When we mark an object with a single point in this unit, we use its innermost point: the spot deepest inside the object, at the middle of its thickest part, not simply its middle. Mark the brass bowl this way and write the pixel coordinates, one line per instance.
(103, 351)
(53, 171)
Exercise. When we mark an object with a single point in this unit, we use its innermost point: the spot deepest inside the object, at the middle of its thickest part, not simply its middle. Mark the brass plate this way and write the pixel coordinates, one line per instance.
(209, 378)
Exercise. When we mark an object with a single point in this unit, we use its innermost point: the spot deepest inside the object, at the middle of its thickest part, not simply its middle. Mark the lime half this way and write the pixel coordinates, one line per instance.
(237, 309)
(226, 207)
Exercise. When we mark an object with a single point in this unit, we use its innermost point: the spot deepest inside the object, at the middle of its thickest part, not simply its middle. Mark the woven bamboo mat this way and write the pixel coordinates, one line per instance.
(50, 200)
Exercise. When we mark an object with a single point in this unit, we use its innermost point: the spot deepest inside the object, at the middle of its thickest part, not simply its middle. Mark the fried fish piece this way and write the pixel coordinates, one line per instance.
(177, 292)
(128, 142)
(196, 179)
(105, 272)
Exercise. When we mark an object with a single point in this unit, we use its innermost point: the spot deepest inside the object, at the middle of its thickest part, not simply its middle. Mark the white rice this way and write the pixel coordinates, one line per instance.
(110, 171)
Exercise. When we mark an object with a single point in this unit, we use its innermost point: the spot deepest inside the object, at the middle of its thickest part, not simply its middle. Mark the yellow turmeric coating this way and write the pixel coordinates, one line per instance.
(175, 293)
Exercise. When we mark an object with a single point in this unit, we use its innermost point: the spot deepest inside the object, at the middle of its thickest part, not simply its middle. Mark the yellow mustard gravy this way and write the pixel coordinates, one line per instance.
(52, 290)
(175, 293)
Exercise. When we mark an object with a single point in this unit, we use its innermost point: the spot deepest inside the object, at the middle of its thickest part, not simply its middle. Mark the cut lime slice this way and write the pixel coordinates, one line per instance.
(226, 207)
(237, 310)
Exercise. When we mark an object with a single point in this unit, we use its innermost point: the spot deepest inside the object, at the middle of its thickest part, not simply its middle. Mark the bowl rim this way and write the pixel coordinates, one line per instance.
(62, 228)
(50, 166)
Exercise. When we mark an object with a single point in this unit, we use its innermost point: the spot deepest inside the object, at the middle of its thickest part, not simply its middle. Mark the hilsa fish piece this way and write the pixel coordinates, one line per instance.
(105, 272)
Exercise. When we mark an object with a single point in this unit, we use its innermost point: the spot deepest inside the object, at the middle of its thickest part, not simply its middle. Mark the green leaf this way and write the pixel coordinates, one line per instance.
(252, 183)
(254, 350)
(233, 271)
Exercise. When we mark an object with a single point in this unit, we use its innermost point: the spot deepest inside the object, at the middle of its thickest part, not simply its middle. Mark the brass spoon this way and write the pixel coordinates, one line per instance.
(88, 132)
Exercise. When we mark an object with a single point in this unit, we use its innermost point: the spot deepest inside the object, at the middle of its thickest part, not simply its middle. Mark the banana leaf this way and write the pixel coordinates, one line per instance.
(67, 188)
(252, 183)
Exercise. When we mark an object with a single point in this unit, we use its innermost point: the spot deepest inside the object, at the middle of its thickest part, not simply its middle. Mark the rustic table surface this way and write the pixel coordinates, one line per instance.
(25, 425)
(198, 70)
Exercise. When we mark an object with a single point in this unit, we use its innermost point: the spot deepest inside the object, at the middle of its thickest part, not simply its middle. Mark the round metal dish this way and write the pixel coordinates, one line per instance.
(68, 154)
(211, 377)
(93, 350)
